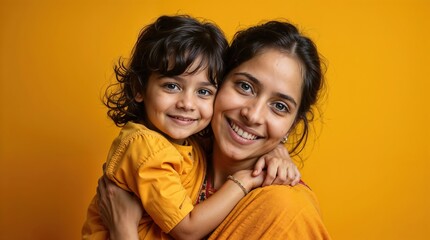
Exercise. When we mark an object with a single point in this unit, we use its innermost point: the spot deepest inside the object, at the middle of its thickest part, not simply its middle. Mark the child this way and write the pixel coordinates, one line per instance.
(166, 95)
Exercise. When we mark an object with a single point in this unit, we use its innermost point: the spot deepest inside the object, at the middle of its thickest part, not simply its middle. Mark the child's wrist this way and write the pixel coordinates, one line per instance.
(238, 183)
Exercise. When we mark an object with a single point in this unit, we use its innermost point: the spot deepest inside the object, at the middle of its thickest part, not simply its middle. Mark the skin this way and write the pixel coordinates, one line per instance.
(261, 97)
(126, 207)
(179, 106)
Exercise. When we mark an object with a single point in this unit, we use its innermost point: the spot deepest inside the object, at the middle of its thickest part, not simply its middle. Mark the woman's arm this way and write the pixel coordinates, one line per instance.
(120, 211)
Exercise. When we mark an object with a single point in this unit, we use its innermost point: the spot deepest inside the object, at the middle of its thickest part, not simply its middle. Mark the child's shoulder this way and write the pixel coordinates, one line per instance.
(136, 132)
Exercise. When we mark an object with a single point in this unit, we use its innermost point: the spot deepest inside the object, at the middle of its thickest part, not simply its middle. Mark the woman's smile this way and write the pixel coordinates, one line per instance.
(241, 132)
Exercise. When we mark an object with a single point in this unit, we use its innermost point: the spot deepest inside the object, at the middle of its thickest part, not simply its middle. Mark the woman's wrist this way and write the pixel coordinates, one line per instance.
(124, 232)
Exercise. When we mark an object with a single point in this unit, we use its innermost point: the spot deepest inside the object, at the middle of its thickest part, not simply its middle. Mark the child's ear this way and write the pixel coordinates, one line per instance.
(138, 98)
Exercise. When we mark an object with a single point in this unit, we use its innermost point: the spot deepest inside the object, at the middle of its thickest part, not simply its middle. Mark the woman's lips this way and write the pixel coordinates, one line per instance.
(240, 135)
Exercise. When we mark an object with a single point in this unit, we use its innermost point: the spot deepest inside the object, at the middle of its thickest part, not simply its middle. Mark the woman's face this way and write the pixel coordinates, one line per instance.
(257, 105)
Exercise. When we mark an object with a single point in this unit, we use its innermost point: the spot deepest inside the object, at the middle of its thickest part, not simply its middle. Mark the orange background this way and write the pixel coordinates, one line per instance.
(369, 166)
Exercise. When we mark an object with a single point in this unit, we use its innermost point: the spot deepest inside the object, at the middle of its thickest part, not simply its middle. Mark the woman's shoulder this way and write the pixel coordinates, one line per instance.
(294, 198)
(279, 211)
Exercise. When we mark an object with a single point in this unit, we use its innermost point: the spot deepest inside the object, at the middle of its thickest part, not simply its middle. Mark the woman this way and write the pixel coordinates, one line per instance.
(273, 78)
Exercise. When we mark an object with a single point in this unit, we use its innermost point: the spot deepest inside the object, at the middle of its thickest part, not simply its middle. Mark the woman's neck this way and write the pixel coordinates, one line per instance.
(224, 165)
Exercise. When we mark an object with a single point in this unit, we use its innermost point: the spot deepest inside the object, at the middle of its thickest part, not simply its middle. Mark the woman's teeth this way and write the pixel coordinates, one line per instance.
(242, 132)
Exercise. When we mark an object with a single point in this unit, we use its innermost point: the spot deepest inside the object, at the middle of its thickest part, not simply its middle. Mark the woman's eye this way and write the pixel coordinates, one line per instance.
(281, 107)
(245, 87)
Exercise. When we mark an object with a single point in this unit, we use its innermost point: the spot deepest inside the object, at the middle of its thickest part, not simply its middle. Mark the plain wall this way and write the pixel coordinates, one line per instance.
(369, 166)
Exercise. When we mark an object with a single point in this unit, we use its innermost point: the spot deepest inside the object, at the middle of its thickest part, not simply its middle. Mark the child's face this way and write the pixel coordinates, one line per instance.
(179, 106)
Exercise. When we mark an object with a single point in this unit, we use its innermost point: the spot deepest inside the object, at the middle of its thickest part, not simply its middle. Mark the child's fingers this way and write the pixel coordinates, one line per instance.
(291, 176)
(281, 178)
(271, 173)
(295, 175)
(259, 166)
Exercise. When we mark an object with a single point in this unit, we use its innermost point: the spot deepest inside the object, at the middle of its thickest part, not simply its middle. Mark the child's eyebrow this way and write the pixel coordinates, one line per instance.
(258, 83)
(209, 84)
(201, 83)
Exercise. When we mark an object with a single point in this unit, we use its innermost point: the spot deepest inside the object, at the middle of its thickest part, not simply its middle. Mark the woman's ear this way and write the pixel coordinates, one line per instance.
(138, 98)
(284, 139)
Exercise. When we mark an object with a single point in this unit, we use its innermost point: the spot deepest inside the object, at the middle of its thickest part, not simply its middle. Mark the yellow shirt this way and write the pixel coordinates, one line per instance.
(165, 176)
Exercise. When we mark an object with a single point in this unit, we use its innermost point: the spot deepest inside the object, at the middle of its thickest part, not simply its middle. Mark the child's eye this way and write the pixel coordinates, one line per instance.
(281, 107)
(172, 87)
(205, 92)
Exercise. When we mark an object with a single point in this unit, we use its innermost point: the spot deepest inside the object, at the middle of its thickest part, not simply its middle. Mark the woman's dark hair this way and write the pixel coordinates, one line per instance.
(168, 46)
(285, 37)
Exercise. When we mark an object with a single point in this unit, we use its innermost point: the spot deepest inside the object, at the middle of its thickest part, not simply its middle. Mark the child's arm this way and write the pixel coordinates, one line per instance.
(279, 166)
(163, 196)
(121, 212)
(207, 215)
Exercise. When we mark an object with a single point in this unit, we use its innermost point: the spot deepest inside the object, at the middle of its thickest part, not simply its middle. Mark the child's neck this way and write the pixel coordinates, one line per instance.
(183, 142)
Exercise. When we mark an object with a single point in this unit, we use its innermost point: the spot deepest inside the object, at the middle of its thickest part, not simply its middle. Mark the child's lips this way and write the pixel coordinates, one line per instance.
(182, 120)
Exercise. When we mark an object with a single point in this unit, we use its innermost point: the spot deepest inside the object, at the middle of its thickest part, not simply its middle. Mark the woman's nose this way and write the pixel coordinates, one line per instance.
(253, 112)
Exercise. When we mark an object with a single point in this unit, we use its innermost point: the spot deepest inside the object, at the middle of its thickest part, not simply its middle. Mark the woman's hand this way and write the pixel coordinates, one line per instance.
(120, 211)
(280, 168)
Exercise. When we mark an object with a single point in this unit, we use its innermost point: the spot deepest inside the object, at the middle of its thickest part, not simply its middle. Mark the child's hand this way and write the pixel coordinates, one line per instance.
(279, 166)
(246, 178)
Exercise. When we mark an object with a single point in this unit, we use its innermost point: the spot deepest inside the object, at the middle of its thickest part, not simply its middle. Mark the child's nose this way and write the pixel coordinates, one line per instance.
(187, 102)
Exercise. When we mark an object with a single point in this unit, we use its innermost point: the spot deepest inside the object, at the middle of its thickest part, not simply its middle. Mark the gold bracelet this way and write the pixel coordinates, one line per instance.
(230, 177)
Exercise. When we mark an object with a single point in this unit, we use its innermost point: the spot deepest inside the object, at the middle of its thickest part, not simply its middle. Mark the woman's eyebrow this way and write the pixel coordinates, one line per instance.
(250, 77)
(257, 82)
(288, 98)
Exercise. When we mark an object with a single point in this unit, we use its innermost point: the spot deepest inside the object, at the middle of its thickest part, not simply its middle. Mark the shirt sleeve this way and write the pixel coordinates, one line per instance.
(150, 166)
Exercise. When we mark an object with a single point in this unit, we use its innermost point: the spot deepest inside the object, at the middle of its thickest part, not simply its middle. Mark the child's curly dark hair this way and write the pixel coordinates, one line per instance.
(168, 47)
